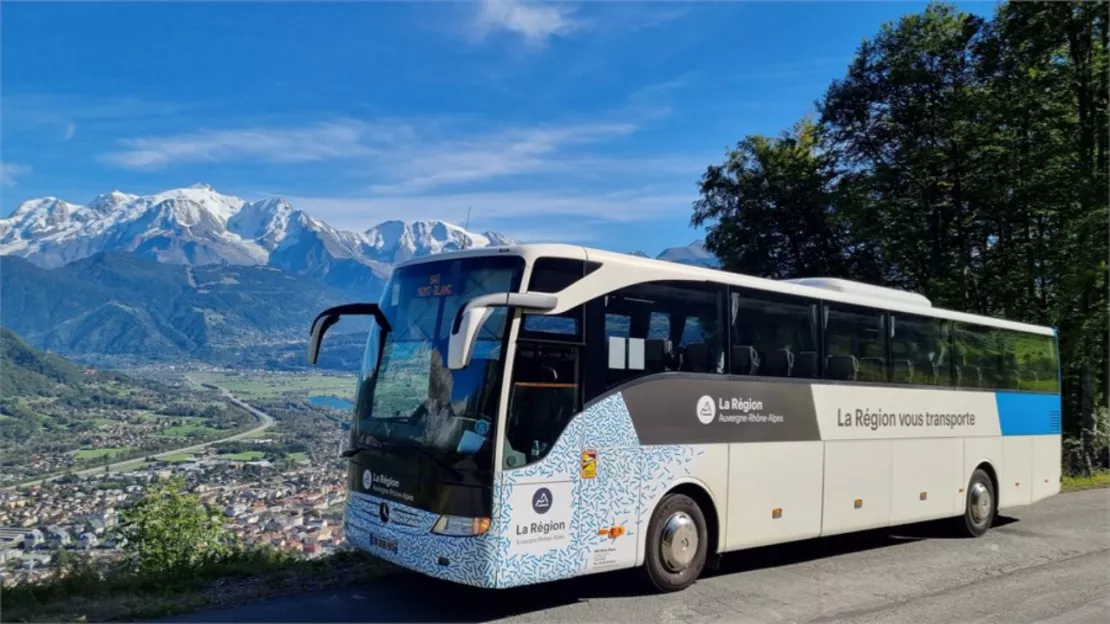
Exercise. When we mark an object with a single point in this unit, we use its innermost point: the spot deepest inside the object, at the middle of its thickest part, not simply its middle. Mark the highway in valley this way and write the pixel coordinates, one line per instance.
(265, 421)
(1049, 562)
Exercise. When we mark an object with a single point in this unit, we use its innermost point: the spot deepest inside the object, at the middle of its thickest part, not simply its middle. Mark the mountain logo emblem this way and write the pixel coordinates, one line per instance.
(367, 479)
(707, 410)
(541, 500)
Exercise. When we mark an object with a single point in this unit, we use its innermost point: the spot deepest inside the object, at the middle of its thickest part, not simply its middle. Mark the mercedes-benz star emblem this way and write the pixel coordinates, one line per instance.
(383, 512)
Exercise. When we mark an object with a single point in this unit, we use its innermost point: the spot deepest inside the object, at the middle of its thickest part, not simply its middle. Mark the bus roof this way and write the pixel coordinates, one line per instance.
(824, 288)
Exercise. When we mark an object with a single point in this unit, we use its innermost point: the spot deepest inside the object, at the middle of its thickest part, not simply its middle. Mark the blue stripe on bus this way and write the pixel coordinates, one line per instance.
(1028, 414)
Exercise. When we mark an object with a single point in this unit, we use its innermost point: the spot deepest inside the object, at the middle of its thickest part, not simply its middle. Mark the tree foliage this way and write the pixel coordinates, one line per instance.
(169, 530)
(959, 157)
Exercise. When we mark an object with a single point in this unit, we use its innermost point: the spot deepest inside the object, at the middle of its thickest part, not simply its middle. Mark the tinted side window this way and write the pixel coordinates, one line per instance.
(919, 350)
(977, 355)
(855, 343)
(773, 335)
(663, 326)
(1031, 362)
(552, 275)
(544, 395)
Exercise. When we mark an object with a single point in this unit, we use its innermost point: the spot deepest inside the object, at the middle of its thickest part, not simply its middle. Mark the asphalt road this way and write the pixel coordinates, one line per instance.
(264, 423)
(1049, 563)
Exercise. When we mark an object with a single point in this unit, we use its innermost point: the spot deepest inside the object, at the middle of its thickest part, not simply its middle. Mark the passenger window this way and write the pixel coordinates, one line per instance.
(658, 327)
(855, 343)
(1035, 360)
(977, 355)
(544, 395)
(552, 275)
(919, 351)
(773, 335)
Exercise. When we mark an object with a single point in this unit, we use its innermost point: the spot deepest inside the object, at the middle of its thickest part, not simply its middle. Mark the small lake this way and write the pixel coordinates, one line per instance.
(330, 401)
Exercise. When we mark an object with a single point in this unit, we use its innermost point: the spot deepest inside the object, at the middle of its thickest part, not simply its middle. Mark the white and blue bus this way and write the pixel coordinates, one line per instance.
(537, 412)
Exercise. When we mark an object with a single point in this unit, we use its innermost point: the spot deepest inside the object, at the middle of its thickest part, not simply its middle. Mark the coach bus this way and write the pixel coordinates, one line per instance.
(537, 412)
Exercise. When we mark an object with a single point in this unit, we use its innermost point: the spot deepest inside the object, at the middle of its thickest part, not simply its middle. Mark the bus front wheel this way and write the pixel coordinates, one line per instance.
(980, 509)
(676, 544)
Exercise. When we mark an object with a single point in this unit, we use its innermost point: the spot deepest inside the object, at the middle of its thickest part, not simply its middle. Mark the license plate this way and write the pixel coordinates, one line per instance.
(383, 543)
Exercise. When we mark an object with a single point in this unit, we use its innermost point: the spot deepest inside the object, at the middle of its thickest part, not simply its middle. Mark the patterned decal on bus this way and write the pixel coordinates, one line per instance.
(630, 480)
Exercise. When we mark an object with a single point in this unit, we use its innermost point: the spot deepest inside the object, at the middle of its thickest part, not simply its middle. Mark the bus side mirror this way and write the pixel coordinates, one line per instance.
(474, 313)
(331, 316)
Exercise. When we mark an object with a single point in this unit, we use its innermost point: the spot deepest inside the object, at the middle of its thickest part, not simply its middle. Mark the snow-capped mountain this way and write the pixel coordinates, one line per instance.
(199, 226)
(695, 253)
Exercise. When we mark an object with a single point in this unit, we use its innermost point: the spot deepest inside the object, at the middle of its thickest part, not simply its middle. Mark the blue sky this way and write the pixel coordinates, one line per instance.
(589, 122)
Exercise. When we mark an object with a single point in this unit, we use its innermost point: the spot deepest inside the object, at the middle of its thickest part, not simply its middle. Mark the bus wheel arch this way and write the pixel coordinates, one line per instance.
(988, 468)
(681, 538)
(980, 502)
(701, 496)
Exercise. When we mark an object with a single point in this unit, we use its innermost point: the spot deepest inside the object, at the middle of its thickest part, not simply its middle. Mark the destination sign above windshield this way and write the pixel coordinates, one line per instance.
(434, 288)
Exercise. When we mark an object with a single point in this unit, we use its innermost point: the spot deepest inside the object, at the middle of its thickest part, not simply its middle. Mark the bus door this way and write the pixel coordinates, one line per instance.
(539, 458)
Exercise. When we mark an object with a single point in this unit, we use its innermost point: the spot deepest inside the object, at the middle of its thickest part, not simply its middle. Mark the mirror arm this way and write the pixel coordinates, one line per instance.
(331, 316)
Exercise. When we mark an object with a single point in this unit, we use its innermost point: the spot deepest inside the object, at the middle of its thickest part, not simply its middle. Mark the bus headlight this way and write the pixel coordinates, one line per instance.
(459, 526)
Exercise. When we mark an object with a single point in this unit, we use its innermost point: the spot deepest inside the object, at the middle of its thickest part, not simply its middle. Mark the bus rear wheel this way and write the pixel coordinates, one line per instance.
(676, 544)
(980, 507)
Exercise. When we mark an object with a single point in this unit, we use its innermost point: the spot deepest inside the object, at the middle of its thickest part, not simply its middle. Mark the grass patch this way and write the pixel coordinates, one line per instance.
(99, 453)
(97, 595)
(177, 458)
(298, 455)
(244, 456)
(180, 431)
(1097, 480)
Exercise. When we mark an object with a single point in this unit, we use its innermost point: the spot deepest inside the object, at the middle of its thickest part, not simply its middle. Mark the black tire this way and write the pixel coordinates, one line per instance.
(660, 574)
(979, 512)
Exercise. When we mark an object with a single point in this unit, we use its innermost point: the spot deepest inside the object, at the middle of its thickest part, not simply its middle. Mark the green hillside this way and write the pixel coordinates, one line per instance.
(55, 415)
(117, 305)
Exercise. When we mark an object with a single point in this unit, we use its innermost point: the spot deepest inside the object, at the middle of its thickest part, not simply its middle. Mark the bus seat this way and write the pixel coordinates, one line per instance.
(655, 355)
(903, 371)
(778, 363)
(806, 365)
(696, 357)
(873, 368)
(745, 361)
(844, 367)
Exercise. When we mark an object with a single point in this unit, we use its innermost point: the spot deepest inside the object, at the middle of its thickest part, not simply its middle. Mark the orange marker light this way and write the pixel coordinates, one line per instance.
(859, 503)
(616, 532)
(922, 496)
(776, 512)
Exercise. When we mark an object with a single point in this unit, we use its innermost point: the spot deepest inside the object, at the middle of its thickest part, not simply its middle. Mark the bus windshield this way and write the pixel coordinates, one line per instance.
(413, 399)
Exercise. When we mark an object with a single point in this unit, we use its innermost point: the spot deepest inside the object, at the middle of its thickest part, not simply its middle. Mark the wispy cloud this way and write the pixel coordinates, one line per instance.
(65, 113)
(333, 139)
(534, 22)
(9, 172)
(425, 165)
(512, 210)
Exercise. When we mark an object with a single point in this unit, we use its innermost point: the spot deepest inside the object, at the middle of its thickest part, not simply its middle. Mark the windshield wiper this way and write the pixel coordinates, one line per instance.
(448, 468)
(394, 445)
(356, 449)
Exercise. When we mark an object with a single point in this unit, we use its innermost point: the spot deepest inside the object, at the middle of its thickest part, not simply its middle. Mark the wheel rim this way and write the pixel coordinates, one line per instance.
(980, 504)
(679, 541)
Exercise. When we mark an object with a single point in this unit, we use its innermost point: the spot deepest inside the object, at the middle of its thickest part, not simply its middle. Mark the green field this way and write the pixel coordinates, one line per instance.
(273, 385)
(181, 431)
(298, 455)
(178, 458)
(244, 456)
(99, 453)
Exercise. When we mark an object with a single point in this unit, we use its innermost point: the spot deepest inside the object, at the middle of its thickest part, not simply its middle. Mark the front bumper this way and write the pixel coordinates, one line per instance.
(406, 540)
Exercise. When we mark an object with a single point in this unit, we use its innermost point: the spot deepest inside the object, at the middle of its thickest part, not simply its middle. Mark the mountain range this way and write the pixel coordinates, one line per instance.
(193, 273)
(199, 226)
